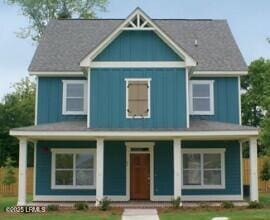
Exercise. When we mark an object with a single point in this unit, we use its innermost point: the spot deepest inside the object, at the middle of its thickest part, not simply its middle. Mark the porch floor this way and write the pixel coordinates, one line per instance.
(138, 204)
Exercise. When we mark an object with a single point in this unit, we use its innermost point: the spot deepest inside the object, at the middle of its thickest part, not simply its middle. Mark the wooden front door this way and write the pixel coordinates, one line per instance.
(140, 176)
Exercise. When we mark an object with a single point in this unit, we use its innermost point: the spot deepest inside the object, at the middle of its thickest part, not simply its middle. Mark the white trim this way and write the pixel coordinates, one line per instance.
(99, 170)
(135, 134)
(212, 198)
(211, 87)
(203, 151)
(71, 198)
(189, 61)
(187, 98)
(150, 146)
(22, 172)
(131, 64)
(55, 74)
(88, 98)
(72, 151)
(253, 170)
(36, 101)
(64, 97)
(219, 73)
(177, 167)
(148, 80)
(239, 100)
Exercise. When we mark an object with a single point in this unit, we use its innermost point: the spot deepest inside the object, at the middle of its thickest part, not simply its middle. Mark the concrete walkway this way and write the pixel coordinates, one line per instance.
(140, 214)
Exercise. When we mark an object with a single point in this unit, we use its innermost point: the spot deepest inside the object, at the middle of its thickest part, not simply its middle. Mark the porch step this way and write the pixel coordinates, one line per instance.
(140, 214)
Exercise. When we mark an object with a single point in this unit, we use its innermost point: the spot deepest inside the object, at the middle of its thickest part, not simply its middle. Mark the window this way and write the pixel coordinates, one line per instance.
(201, 97)
(138, 98)
(74, 97)
(73, 168)
(203, 168)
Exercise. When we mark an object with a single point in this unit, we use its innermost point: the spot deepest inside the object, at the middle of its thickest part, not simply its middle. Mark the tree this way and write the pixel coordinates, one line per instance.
(255, 110)
(16, 110)
(39, 12)
(9, 172)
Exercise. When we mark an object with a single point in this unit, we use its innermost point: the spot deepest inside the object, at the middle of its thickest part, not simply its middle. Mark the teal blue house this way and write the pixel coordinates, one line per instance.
(137, 109)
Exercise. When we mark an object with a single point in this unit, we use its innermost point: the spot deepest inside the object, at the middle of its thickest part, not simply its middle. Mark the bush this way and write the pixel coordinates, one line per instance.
(227, 204)
(104, 204)
(81, 206)
(53, 207)
(255, 205)
(176, 202)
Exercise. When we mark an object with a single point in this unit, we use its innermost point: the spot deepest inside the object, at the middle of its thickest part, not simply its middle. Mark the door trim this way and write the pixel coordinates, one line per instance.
(150, 146)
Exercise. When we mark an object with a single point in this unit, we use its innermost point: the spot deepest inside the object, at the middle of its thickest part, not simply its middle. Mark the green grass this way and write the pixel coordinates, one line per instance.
(165, 214)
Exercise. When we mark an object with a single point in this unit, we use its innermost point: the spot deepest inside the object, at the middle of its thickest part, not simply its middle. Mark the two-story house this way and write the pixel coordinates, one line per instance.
(137, 109)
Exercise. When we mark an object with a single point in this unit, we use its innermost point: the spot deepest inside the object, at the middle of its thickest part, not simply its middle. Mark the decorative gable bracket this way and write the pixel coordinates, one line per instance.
(138, 22)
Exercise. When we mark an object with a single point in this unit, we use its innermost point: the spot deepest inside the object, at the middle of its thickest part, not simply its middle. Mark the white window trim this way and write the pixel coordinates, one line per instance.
(149, 97)
(199, 82)
(64, 97)
(220, 151)
(73, 151)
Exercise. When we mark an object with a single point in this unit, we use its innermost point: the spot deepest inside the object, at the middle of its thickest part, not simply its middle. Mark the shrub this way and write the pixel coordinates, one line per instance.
(227, 204)
(255, 205)
(81, 206)
(104, 204)
(53, 207)
(176, 202)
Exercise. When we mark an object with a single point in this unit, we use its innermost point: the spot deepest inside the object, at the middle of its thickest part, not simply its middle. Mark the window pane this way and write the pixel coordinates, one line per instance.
(64, 161)
(212, 161)
(192, 177)
(64, 177)
(212, 177)
(201, 104)
(84, 177)
(84, 160)
(192, 161)
(75, 104)
(201, 90)
(75, 90)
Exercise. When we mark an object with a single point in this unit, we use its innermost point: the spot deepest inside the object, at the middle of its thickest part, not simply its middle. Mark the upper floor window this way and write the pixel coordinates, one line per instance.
(201, 97)
(74, 97)
(138, 98)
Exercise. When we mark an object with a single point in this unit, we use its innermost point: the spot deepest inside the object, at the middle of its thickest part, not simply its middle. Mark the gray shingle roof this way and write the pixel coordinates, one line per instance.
(195, 125)
(66, 42)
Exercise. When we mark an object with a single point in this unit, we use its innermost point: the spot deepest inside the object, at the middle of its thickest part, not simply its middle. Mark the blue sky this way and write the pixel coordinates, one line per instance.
(248, 19)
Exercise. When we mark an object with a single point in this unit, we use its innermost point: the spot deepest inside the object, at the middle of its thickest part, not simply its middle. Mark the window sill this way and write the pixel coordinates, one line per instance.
(73, 187)
(74, 113)
(204, 187)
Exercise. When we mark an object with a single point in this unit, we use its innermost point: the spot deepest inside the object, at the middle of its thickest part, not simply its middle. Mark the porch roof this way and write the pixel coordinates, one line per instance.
(198, 128)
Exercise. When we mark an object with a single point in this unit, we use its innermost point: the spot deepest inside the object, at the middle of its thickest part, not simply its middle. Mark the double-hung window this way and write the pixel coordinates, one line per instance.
(74, 97)
(201, 97)
(73, 168)
(138, 98)
(203, 168)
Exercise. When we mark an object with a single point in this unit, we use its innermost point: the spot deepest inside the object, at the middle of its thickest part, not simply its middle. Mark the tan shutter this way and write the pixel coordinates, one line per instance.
(138, 98)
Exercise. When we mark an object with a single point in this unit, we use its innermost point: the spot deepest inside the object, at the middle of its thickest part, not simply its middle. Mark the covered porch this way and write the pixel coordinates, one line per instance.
(162, 149)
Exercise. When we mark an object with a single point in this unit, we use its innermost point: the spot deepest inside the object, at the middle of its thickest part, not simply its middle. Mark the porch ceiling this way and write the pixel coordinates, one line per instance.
(199, 129)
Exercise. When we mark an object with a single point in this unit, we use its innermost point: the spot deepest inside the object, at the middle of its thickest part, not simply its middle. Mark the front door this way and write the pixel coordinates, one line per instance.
(140, 176)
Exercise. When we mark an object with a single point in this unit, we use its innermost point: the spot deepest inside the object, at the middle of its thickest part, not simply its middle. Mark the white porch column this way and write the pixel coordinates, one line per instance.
(253, 169)
(22, 172)
(177, 161)
(99, 170)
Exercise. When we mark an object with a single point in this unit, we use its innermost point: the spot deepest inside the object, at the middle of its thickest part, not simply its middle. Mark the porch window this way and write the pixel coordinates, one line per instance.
(201, 97)
(74, 97)
(203, 168)
(73, 168)
(138, 98)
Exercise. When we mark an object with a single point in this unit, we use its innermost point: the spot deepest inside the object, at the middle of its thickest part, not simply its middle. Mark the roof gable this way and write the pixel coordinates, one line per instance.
(138, 20)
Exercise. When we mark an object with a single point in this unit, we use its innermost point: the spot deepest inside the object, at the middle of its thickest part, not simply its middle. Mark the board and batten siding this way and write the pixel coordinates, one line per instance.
(43, 167)
(138, 46)
(50, 93)
(226, 102)
(167, 98)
